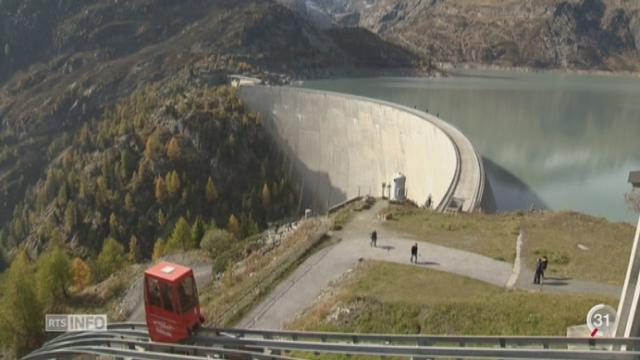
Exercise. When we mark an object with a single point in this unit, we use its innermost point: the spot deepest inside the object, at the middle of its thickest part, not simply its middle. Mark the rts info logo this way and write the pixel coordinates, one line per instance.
(75, 322)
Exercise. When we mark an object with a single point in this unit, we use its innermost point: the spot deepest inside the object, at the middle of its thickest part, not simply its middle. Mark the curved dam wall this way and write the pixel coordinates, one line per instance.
(341, 146)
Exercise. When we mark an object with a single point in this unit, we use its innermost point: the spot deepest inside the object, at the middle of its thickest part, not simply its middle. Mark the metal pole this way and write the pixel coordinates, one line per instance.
(628, 315)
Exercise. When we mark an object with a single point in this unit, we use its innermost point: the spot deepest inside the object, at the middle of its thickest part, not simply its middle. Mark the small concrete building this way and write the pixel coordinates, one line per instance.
(634, 178)
(399, 187)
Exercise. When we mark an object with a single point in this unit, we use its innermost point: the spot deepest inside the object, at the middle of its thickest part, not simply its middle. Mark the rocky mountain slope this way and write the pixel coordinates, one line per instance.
(574, 34)
(63, 63)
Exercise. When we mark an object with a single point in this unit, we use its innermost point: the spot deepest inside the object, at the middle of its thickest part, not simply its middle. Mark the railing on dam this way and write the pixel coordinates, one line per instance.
(341, 146)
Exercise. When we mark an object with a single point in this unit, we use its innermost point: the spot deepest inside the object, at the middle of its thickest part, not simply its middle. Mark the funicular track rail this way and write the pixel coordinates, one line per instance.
(130, 340)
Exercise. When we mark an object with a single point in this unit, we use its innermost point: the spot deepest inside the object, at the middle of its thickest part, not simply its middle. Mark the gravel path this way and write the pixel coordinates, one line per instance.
(305, 284)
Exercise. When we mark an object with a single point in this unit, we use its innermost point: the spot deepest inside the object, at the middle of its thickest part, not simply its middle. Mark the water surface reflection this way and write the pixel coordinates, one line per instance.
(554, 140)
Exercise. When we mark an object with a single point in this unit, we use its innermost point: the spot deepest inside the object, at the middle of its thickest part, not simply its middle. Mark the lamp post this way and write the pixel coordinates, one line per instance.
(629, 308)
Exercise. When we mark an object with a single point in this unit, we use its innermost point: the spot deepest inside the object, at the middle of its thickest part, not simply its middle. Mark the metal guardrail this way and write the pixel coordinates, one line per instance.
(131, 340)
(142, 349)
(541, 342)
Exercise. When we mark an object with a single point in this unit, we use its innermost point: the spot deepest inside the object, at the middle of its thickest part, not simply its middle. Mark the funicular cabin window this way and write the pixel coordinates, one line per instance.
(154, 291)
(165, 292)
(187, 294)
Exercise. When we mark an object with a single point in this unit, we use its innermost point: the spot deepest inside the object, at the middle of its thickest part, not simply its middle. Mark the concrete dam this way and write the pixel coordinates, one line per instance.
(341, 146)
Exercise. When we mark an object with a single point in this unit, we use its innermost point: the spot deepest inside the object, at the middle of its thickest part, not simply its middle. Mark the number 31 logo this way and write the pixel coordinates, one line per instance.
(601, 320)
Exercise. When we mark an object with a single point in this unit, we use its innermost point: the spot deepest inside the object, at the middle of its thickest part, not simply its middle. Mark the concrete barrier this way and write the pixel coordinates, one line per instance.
(341, 146)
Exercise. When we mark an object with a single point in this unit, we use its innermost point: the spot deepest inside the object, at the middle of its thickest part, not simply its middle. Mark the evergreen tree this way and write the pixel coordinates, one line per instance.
(83, 188)
(62, 196)
(248, 226)
(197, 231)
(161, 190)
(266, 196)
(21, 313)
(129, 205)
(162, 218)
(140, 175)
(152, 146)
(134, 249)
(181, 236)
(173, 149)
(211, 192)
(185, 196)
(114, 225)
(70, 216)
(111, 258)
(173, 182)
(53, 277)
(233, 226)
(81, 274)
(158, 249)
(126, 163)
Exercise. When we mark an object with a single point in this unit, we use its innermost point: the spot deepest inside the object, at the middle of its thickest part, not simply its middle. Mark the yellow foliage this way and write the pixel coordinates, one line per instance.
(81, 273)
(173, 149)
(211, 192)
(161, 189)
(233, 226)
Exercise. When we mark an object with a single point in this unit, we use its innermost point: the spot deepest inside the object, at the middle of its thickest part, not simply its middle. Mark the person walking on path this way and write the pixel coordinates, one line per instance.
(539, 271)
(374, 239)
(414, 253)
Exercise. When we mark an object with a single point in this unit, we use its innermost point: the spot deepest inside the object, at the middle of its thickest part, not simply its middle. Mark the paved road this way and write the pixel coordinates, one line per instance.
(566, 285)
(306, 283)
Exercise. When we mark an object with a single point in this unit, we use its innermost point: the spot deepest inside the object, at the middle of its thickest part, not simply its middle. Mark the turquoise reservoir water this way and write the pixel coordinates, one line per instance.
(559, 141)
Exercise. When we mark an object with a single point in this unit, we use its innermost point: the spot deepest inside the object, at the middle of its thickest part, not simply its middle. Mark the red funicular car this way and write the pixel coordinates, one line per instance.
(171, 302)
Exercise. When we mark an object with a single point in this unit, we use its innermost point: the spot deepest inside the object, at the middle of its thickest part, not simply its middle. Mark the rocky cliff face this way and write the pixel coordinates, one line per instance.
(578, 34)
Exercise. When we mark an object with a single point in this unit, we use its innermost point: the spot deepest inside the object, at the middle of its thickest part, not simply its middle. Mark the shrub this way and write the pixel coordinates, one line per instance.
(216, 241)
(111, 258)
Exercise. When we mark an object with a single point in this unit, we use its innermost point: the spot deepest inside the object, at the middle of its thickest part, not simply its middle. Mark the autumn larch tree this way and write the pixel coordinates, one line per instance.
(161, 190)
(173, 149)
(233, 226)
(211, 192)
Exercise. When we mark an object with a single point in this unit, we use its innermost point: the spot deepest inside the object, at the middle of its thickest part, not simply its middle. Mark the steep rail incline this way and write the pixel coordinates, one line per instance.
(341, 146)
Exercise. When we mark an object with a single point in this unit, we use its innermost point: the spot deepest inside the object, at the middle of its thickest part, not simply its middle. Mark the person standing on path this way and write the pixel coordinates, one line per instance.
(414, 253)
(545, 262)
(539, 271)
(374, 239)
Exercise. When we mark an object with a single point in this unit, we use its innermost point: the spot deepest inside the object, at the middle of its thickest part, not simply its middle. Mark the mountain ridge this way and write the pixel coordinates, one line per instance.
(546, 34)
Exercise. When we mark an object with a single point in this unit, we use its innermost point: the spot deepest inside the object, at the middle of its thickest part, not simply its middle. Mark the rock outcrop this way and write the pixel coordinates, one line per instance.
(574, 34)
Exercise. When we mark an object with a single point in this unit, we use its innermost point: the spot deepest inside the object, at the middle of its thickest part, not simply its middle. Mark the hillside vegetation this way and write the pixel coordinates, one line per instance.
(66, 62)
(162, 154)
(372, 300)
